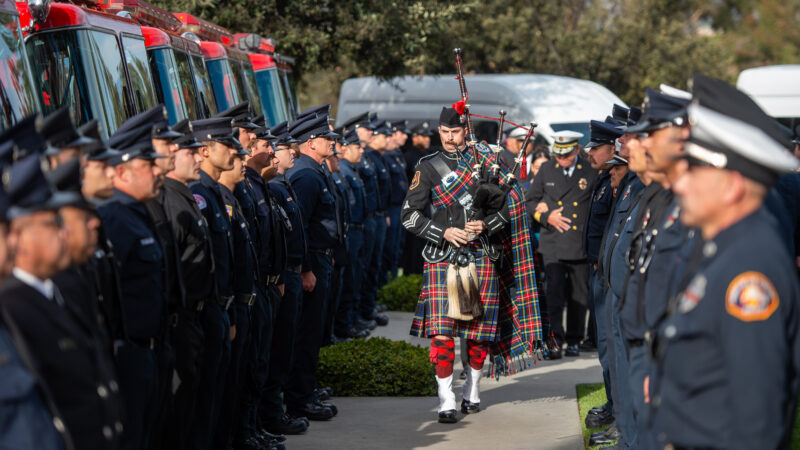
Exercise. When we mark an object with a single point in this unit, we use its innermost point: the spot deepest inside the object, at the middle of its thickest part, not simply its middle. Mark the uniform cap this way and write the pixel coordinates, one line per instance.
(262, 132)
(316, 111)
(60, 132)
(518, 133)
(351, 137)
(217, 129)
(27, 138)
(28, 189)
(240, 115)
(659, 111)
(617, 160)
(66, 180)
(382, 127)
(133, 144)
(422, 129)
(98, 150)
(450, 118)
(565, 141)
(187, 140)
(156, 118)
(725, 142)
(361, 120)
(634, 115)
(400, 125)
(312, 128)
(602, 133)
(620, 113)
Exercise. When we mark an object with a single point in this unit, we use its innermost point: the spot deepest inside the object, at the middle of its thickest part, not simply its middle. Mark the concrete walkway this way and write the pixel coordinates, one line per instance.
(536, 409)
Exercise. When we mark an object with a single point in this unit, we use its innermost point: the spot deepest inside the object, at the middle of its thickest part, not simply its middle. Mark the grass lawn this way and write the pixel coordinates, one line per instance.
(589, 396)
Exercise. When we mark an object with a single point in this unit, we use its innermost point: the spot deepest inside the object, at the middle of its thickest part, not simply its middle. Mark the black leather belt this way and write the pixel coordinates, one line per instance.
(246, 299)
(357, 226)
(297, 269)
(635, 342)
(225, 302)
(326, 252)
(273, 279)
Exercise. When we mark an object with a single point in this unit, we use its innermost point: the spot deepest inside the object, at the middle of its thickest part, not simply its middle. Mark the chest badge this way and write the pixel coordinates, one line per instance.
(627, 193)
(583, 184)
(449, 179)
(600, 194)
(751, 297)
(693, 294)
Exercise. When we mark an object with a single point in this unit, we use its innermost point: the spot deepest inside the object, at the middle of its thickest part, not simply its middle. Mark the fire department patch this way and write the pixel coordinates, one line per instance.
(582, 183)
(751, 297)
(229, 209)
(414, 181)
(201, 202)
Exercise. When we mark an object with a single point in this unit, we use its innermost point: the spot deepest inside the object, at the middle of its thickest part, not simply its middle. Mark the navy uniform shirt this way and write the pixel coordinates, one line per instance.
(384, 178)
(296, 244)
(271, 227)
(317, 204)
(728, 356)
(599, 212)
(193, 239)
(613, 263)
(371, 191)
(207, 194)
(174, 289)
(244, 258)
(397, 175)
(140, 260)
(356, 197)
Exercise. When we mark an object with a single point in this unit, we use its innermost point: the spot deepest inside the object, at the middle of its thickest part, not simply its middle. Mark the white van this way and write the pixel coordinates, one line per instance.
(776, 89)
(555, 102)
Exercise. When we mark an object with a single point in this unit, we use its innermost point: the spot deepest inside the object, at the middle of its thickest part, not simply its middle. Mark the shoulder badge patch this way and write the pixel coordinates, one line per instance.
(627, 193)
(415, 181)
(582, 183)
(229, 209)
(201, 202)
(751, 297)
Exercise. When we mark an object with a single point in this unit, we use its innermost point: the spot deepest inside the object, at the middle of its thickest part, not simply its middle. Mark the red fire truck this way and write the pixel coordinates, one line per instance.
(268, 78)
(17, 96)
(181, 80)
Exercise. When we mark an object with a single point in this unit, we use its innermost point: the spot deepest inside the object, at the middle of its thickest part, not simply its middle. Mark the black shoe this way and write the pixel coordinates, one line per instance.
(572, 350)
(275, 445)
(362, 324)
(382, 308)
(463, 375)
(321, 394)
(330, 406)
(553, 354)
(266, 436)
(286, 425)
(339, 339)
(601, 440)
(249, 444)
(603, 409)
(598, 420)
(612, 432)
(448, 416)
(588, 346)
(381, 319)
(313, 412)
(467, 407)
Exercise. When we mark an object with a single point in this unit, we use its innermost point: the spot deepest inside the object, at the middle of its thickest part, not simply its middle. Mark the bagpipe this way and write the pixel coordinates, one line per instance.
(490, 196)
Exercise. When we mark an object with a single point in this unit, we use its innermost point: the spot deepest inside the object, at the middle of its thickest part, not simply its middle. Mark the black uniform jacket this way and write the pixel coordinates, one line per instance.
(574, 193)
(74, 364)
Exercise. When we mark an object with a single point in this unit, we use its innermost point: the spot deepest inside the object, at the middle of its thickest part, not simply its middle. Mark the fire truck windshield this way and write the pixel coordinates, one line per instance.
(170, 88)
(144, 94)
(269, 88)
(205, 92)
(288, 92)
(17, 97)
(227, 90)
(188, 88)
(252, 90)
(84, 70)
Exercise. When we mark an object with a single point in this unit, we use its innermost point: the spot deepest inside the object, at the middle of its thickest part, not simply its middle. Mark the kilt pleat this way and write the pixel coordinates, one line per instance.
(430, 318)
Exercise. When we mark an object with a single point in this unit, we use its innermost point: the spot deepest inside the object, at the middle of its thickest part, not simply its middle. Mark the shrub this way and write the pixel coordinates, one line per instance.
(376, 367)
(402, 293)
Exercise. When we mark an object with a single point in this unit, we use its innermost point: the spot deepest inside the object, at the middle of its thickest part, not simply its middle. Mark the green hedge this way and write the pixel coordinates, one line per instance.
(402, 293)
(377, 367)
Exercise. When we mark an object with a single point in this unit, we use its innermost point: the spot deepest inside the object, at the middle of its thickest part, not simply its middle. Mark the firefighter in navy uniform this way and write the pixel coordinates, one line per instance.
(340, 255)
(271, 411)
(193, 240)
(216, 135)
(140, 257)
(60, 342)
(318, 206)
(564, 186)
(739, 296)
(396, 164)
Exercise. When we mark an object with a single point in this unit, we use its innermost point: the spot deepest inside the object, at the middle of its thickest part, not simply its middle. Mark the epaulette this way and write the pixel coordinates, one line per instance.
(425, 158)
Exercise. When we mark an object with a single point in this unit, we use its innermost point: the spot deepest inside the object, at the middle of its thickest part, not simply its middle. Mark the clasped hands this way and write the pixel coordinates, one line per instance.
(459, 236)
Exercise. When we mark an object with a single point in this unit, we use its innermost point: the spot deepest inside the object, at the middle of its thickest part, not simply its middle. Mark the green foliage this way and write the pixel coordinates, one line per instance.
(377, 367)
(402, 293)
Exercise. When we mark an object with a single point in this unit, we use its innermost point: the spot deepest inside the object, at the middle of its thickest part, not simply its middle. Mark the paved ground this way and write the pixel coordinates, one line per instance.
(536, 409)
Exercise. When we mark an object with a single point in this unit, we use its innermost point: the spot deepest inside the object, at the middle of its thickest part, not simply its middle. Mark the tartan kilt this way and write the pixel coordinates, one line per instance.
(430, 318)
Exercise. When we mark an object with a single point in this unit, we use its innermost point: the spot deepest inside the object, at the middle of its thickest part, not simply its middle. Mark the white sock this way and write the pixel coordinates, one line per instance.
(472, 387)
(447, 398)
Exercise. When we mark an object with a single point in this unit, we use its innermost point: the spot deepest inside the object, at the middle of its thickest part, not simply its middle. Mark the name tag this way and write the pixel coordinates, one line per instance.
(549, 184)
(147, 241)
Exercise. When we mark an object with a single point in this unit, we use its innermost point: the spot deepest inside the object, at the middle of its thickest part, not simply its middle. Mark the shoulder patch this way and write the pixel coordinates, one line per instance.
(751, 297)
(201, 202)
(229, 209)
(415, 181)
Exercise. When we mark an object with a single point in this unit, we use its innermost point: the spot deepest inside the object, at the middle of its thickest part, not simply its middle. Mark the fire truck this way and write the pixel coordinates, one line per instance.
(17, 95)
(268, 78)
(111, 59)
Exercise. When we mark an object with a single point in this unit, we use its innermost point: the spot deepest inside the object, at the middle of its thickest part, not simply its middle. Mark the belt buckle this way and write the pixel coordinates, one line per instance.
(173, 320)
(251, 300)
(228, 302)
(200, 305)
